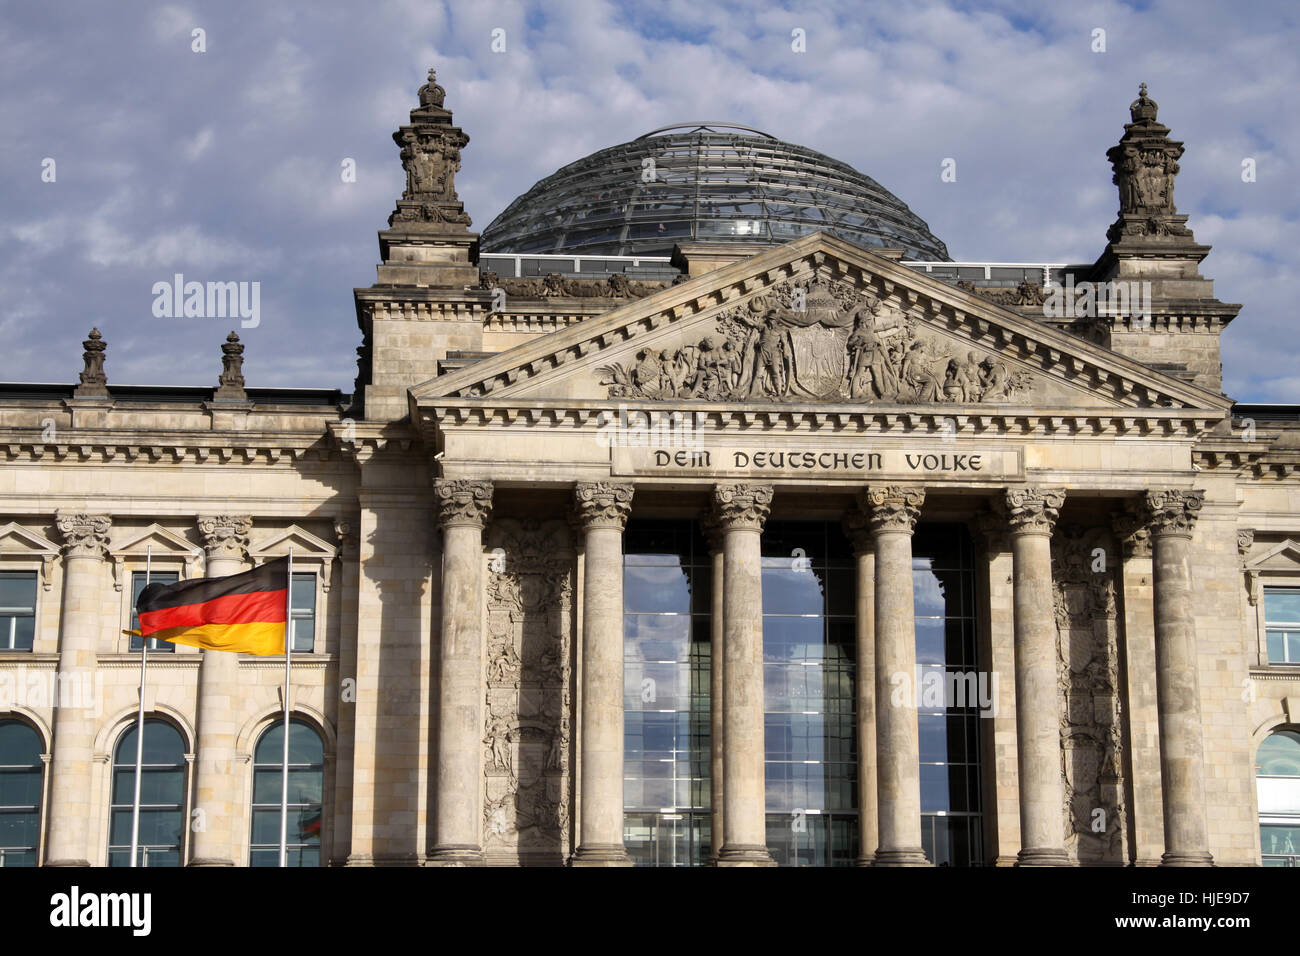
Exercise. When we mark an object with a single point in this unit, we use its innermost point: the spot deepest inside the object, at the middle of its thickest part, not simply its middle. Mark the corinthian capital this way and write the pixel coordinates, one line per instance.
(1172, 512)
(1131, 531)
(892, 507)
(1033, 510)
(742, 505)
(84, 536)
(857, 528)
(225, 536)
(602, 504)
(463, 501)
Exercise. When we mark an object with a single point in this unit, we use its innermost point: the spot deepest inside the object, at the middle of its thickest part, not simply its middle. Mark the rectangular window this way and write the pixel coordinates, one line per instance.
(1282, 624)
(17, 610)
(303, 618)
(138, 580)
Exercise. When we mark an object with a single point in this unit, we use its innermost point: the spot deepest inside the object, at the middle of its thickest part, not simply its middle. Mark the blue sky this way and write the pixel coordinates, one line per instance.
(224, 165)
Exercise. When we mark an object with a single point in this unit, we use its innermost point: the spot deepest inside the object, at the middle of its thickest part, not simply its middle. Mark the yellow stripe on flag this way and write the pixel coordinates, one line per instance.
(257, 638)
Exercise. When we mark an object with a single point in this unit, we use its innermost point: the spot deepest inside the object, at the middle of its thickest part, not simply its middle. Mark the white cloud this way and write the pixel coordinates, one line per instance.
(230, 160)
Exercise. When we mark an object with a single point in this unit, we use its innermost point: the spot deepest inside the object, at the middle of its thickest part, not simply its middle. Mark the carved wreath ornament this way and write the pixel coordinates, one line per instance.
(827, 342)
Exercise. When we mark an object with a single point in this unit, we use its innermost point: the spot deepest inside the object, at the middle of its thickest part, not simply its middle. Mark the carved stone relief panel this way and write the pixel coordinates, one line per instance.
(1084, 566)
(528, 725)
(822, 340)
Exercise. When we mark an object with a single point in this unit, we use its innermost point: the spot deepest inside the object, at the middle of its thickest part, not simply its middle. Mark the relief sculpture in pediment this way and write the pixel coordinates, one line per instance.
(827, 342)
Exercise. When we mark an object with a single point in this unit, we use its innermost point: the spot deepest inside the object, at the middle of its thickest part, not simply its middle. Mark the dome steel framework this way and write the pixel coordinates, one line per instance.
(704, 182)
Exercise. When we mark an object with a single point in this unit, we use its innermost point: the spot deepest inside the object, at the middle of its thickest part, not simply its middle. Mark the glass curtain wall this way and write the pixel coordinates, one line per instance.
(667, 583)
(947, 695)
(809, 593)
(810, 669)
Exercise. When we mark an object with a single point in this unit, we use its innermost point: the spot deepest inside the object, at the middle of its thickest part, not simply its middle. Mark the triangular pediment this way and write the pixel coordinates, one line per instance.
(315, 553)
(161, 548)
(1282, 557)
(17, 540)
(159, 541)
(818, 320)
(22, 544)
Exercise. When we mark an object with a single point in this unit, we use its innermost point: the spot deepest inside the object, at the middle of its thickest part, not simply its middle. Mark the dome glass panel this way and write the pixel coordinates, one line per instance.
(708, 182)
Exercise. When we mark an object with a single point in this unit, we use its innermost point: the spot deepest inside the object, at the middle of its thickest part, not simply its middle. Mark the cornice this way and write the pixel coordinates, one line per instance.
(1256, 460)
(24, 445)
(959, 420)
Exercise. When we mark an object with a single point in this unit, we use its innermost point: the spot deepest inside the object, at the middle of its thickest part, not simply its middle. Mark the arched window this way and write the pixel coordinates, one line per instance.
(162, 796)
(20, 793)
(1277, 777)
(306, 781)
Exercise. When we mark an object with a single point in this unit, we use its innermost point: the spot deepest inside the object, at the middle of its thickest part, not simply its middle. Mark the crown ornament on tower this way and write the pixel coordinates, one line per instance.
(1142, 110)
(1145, 162)
(430, 151)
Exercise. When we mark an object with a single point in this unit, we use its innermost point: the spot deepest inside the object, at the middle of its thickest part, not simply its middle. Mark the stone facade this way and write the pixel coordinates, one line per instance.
(464, 511)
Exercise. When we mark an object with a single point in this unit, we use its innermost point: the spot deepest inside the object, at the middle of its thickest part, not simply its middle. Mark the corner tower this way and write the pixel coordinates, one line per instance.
(424, 301)
(1150, 242)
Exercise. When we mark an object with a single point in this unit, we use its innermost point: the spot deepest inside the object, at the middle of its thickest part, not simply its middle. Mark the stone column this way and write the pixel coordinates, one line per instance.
(601, 509)
(858, 529)
(717, 731)
(464, 506)
(1172, 515)
(1031, 514)
(216, 788)
(891, 514)
(70, 809)
(997, 649)
(741, 510)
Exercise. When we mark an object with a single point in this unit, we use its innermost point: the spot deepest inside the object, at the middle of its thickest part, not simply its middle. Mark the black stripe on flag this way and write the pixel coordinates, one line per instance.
(271, 576)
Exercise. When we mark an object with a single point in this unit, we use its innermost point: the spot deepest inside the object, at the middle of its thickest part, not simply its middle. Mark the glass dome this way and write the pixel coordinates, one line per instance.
(704, 182)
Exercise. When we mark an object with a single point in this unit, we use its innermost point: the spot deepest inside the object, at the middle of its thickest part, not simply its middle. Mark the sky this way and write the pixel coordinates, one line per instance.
(225, 163)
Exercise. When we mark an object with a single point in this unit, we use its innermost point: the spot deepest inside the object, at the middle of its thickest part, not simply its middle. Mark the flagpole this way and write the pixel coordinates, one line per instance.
(139, 723)
(284, 768)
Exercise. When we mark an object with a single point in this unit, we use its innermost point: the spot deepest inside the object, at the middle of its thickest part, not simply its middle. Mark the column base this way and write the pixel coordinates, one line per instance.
(1187, 858)
(867, 860)
(745, 854)
(455, 855)
(901, 856)
(600, 854)
(66, 863)
(211, 861)
(1004, 860)
(1043, 856)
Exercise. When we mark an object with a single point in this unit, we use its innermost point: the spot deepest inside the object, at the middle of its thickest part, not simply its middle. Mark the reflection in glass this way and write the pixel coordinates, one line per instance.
(809, 695)
(1277, 765)
(720, 182)
(948, 728)
(306, 783)
(666, 745)
(139, 580)
(162, 796)
(1282, 624)
(20, 793)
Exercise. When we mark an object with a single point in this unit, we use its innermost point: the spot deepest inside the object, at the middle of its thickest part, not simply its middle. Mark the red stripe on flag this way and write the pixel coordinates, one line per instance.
(262, 607)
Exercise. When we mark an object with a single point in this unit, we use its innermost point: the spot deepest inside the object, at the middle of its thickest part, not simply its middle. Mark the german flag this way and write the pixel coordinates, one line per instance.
(243, 613)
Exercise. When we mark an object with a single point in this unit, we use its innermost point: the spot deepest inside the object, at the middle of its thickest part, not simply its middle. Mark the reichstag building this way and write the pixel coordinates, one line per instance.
(699, 511)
